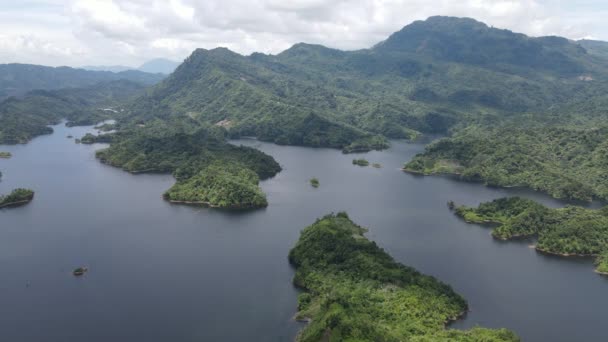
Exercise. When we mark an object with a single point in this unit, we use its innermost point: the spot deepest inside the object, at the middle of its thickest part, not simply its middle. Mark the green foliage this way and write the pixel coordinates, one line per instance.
(222, 185)
(314, 182)
(21, 119)
(360, 162)
(356, 292)
(602, 263)
(468, 41)
(92, 139)
(566, 231)
(565, 162)
(5, 155)
(208, 169)
(428, 78)
(16, 197)
(161, 147)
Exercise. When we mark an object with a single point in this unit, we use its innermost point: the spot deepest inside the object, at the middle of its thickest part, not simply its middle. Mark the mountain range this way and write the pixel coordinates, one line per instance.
(429, 77)
(17, 79)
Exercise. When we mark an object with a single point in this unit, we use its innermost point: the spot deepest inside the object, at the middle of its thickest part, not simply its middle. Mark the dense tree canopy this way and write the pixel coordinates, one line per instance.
(222, 185)
(16, 197)
(21, 119)
(566, 162)
(355, 291)
(566, 231)
(208, 169)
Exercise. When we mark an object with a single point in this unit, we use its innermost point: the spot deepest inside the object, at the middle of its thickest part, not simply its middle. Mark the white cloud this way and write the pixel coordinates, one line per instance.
(78, 32)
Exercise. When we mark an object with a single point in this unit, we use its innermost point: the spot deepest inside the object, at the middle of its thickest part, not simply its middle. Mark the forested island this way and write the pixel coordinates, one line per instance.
(208, 170)
(360, 162)
(16, 198)
(5, 155)
(569, 231)
(355, 291)
(220, 185)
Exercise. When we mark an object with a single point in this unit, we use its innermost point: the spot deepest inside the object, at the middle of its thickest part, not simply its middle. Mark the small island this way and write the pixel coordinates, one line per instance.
(17, 198)
(355, 291)
(89, 138)
(80, 271)
(314, 182)
(377, 165)
(360, 162)
(5, 155)
(220, 186)
(569, 231)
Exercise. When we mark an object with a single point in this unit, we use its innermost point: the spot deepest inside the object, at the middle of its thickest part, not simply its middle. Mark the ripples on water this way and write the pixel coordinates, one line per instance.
(163, 272)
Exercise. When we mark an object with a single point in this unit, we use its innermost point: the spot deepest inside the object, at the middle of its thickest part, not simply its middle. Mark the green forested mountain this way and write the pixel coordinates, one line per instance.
(566, 231)
(18, 79)
(520, 110)
(430, 77)
(355, 291)
(23, 118)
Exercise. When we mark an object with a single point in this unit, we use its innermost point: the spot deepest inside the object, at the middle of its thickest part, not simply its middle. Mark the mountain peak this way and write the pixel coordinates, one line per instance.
(466, 40)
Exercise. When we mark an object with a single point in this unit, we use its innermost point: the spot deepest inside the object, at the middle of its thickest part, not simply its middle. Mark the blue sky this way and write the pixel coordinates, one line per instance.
(129, 32)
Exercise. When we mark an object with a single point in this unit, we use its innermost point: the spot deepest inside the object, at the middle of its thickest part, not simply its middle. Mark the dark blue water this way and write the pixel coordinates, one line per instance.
(161, 272)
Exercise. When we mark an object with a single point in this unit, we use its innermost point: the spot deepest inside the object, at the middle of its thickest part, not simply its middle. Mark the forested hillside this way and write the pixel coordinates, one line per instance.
(23, 118)
(355, 291)
(564, 161)
(18, 79)
(565, 231)
(431, 77)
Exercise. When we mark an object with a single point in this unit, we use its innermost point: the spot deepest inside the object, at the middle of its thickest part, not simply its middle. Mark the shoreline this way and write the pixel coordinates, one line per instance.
(209, 205)
(16, 203)
(564, 254)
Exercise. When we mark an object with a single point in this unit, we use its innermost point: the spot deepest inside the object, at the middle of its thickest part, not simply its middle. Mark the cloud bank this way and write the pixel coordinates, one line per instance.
(129, 32)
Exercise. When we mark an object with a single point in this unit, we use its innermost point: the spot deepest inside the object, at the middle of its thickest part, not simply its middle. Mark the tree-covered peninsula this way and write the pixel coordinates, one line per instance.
(565, 231)
(355, 291)
(17, 197)
(208, 169)
(565, 162)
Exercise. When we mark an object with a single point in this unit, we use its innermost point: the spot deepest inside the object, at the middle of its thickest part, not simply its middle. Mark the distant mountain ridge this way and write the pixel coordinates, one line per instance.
(155, 66)
(18, 79)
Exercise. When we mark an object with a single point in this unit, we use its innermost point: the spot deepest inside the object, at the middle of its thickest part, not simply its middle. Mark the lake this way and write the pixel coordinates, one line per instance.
(160, 272)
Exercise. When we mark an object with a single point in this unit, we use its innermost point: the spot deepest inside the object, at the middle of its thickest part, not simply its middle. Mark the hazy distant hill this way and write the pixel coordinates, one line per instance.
(158, 65)
(112, 68)
(595, 47)
(18, 79)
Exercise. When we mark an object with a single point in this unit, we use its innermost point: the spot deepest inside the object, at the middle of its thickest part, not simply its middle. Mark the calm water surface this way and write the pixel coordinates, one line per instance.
(161, 272)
